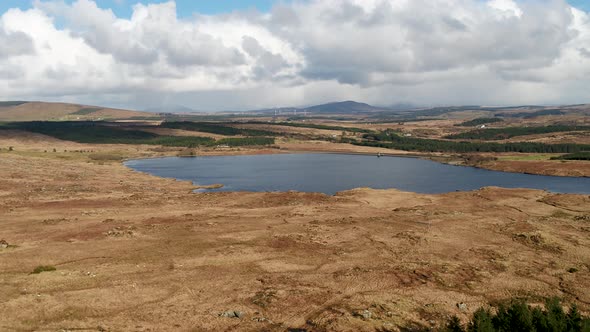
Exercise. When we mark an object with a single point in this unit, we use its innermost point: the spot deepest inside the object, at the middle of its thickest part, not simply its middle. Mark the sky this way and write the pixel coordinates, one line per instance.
(185, 8)
(214, 55)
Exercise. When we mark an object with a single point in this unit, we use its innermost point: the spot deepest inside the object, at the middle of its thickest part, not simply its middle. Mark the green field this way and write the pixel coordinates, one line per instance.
(215, 128)
(527, 157)
(86, 111)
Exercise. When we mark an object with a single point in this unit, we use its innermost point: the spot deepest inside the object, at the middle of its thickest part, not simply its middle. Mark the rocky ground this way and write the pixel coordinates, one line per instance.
(136, 252)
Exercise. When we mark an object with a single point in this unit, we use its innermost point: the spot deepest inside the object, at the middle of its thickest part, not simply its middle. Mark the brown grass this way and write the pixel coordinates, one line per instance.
(134, 251)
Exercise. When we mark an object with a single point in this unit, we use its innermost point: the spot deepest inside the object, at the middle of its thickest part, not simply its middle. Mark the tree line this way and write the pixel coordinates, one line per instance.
(509, 132)
(108, 133)
(391, 140)
(518, 316)
(478, 122)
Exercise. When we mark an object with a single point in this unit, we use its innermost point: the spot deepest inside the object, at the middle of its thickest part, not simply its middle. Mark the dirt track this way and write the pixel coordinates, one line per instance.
(137, 252)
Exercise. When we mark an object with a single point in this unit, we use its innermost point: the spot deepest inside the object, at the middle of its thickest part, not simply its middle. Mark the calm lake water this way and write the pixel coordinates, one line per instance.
(330, 173)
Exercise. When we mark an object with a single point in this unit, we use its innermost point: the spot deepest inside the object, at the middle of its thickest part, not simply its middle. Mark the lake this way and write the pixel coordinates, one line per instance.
(330, 173)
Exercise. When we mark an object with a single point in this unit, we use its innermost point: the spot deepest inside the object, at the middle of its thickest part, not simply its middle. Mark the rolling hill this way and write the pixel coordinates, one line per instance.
(42, 111)
(342, 107)
(345, 107)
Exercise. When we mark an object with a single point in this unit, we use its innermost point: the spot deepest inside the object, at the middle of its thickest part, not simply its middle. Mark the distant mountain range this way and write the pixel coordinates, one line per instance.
(342, 107)
(35, 111)
(172, 109)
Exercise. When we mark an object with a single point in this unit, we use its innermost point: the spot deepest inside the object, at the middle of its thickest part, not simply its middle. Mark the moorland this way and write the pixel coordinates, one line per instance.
(90, 244)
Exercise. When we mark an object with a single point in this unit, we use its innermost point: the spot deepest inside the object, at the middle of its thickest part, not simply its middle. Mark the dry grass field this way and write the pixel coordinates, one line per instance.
(136, 252)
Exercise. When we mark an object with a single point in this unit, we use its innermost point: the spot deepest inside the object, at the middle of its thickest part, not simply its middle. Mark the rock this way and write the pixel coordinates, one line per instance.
(365, 314)
(260, 319)
(462, 306)
(3, 244)
(232, 314)
(389, 327)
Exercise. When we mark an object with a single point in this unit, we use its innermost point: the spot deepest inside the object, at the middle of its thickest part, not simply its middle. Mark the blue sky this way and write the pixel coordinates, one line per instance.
(186, 7)
(582, 4)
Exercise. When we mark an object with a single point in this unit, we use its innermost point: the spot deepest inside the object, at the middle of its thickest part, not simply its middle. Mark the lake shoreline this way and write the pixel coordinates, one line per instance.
(339, 173)
(454, 160)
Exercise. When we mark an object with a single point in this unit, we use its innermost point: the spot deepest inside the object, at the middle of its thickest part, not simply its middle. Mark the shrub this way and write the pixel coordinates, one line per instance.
(481, 321)
(518, 316)
(105, 157)
(454, 325)
(43, 268)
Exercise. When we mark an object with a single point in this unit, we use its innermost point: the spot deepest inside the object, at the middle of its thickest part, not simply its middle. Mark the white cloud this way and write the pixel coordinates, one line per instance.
(378, 51)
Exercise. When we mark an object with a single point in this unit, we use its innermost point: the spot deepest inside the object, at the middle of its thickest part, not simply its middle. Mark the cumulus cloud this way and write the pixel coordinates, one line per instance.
(372, 44)
(304, 52)
(14, 43)
(152, 32)
(267, 64)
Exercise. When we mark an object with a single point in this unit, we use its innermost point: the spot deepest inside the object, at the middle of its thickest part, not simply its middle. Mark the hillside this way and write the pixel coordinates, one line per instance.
(344, 107)
(38, 111)
(176, 109)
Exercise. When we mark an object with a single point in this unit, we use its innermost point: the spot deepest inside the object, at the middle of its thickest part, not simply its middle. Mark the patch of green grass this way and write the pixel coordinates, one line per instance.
(105, 157)
(215, 128)
(43, 268)
(317, 126)
(246, 141)
(86, 111)
(526, 157)
(574, 156)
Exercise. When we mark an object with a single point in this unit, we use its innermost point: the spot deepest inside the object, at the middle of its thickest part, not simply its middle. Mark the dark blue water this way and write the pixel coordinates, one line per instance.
(330, 173)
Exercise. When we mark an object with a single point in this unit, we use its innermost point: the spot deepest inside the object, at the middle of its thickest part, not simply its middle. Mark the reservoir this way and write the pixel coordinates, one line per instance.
(330, 173)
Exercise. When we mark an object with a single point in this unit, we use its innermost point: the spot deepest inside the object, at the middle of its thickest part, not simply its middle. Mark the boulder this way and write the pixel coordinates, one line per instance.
(462, 306)
(231, 314)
